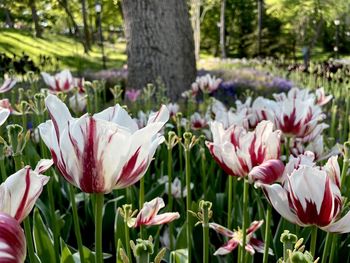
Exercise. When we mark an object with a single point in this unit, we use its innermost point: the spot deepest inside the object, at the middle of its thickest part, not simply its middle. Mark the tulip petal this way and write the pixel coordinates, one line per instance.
(255, 225)
(164, 218)
(340, 226)
(4, 114)
(227, 248)
(259, 246)
(268, 172)
(43, 165)
(12, 240)
(221, 230)
(119, 116)
(20, 191)
(161, 116)
(279, 200)
(149, 211)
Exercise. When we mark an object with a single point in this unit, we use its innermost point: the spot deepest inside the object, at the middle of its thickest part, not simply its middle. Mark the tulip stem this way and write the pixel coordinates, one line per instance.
(127, 240)
(326, 247)
(334, 245)
(142, 200)
(188, 201)
(76, 223)
(245, 217)
(345, 164)
(206, 234)
(98, 226)
(29, 240)
(313, 241)
(3, 168)
(267, 234)
(230, 197)
(204, 172)
(170, 196)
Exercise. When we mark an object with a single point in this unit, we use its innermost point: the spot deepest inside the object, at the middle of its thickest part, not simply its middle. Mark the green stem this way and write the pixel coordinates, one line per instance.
(170, 196)
(334, 245)
(267, 234)
(55, 230)
(127, 240)
(76, 223)
(313, 241)
(204, 173)
(29, 240)
(245, 218)
(230, 197)
(143, 258)
(142, 200)
(3, 169)
(205, 235)
(188, 202)
(345, 163)
(98, 226)
(326, 247)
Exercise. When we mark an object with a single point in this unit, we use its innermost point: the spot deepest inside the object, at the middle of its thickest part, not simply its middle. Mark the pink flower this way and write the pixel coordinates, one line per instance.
(236, 238)
(8, 85)
(80, 84)
(20, 190)
(310, 195)
(241, 153)
(207, 84)
(148, 215)
(104, 151)
(173, 108)
(4, 114)
(132, 94)
(62, 81)
(12, 240)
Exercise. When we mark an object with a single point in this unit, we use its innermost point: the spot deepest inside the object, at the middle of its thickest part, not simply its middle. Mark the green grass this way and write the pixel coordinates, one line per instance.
(67, 50)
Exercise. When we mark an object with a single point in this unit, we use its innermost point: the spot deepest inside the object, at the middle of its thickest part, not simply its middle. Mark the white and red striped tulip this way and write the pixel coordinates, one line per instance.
(240, 153)
(12, 240)
(148, 215)
(78, 102)
(311, 196)
(8, 85)
(197, 121)
(4, 114)
(252, 244)
(62, 81)
(104, 151)
(297, 115)
(20, 190)
(206, 83)
(321, 98)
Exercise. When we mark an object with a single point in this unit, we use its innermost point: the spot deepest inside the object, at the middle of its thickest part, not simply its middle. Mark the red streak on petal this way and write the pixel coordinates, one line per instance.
(23, 203)
(223, 166)
(92, 180)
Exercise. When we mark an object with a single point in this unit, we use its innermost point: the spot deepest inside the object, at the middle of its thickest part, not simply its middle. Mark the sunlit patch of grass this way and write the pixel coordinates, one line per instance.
(68, 50)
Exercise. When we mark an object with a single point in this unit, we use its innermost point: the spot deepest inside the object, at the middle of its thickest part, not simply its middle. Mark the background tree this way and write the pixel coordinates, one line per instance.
(159, 44)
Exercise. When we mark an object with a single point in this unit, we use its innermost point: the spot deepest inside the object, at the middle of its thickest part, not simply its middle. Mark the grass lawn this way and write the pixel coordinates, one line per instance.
(67, 50)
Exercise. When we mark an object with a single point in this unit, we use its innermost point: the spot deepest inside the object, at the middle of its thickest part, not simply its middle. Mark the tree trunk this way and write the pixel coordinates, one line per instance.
(8, 22)
(86, 27)
(38, 29)
(222, 29)
(196, 25)
(159, 44)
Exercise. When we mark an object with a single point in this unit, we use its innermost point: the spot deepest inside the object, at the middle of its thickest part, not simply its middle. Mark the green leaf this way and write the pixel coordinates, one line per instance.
(89, 256)
(66, 255)
(179, 256)
(42, 241)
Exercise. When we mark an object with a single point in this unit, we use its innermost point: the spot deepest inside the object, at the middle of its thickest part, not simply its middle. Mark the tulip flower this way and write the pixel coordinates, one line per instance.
(148, 215)
(252, 244)
(297, 115)
(197, 122)
(4, 114)
(238, 151)
(207, 84)
(321, 98)
(78, 102)
(12, 240)
(173, 108)
(62, 81)
(132, 94)
(311, 195)
(104, 151)
(8, 85)
(20, 190)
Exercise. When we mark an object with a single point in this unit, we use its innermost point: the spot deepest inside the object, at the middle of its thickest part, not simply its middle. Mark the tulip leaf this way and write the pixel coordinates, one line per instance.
(179, 256)
(42, 241)
(66, 254)
(89, 256)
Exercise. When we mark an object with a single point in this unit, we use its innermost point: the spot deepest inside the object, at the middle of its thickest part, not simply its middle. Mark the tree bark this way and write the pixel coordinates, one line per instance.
(222, 29)
(8, 22)
(35, 17)
(159, 44)
(86, 27)
(260, 21)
